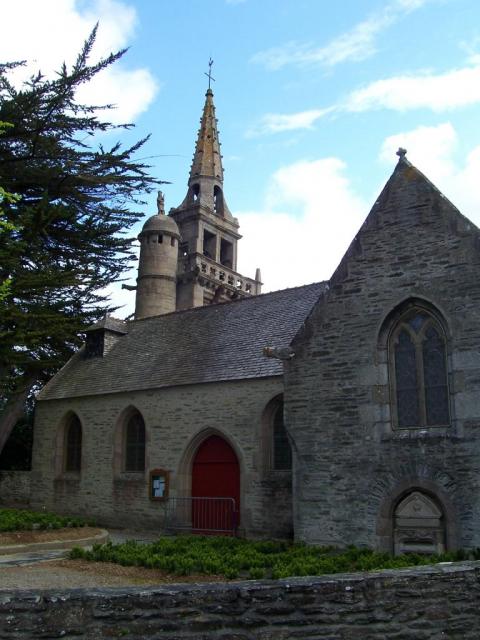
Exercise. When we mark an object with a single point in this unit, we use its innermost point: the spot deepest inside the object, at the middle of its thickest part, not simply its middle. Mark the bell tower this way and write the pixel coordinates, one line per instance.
(188, 258)
(207, 259)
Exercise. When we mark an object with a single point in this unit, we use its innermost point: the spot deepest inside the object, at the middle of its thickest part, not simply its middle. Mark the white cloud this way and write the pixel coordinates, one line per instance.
(432, 150)
(48, 32)
(355, 45)
(430, 147)
(440, 92)
(130, 91)
(277, 122)
(305, 246)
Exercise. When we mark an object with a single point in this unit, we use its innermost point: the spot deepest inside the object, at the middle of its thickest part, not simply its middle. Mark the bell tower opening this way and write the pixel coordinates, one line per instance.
(218, 201)
(226, 253)
(209, 245)
(195, 192)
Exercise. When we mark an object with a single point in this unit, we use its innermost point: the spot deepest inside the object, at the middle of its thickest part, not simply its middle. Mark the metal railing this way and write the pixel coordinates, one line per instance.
(202, 515)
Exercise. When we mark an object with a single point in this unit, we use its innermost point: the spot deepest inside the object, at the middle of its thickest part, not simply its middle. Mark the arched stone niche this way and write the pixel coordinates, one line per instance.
(397, 515)
(418, 525)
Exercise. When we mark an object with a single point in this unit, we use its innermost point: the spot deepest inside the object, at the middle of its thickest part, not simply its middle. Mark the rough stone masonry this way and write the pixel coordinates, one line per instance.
(428, 603)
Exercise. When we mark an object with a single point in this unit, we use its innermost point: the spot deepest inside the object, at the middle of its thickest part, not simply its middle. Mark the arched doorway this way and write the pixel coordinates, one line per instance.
(215, 486)
(418, 525)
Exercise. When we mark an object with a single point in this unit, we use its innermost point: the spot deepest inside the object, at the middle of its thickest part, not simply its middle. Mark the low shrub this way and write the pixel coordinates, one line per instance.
(20, 520)
(237, 558)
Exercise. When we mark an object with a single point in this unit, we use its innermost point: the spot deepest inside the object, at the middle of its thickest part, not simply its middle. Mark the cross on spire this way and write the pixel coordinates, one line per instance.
(209, 74)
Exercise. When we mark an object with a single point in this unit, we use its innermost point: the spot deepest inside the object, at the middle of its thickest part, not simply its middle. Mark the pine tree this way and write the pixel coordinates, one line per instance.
(63, 234)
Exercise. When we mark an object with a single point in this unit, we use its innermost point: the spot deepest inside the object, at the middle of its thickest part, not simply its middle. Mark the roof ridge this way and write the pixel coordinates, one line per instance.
(203, 308)
(431, 184)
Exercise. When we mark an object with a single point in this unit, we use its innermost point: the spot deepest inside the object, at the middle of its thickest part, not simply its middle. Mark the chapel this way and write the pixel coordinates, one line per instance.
(340, 412)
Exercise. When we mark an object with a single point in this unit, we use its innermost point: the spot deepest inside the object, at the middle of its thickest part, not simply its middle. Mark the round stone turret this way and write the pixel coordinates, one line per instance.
(157, 269)
(160, 223)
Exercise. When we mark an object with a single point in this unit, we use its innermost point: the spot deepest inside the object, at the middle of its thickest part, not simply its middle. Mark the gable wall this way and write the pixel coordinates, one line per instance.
(350, 464)
(172, 418)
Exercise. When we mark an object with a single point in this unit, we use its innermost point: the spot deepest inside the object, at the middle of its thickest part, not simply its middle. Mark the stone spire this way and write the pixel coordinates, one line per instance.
(205, 183)
(207, 257)
(207, 161)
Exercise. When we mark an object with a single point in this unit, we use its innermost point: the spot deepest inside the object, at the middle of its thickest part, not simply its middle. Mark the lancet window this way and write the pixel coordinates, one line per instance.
(282, 453)
(135, 443)
(73, 445)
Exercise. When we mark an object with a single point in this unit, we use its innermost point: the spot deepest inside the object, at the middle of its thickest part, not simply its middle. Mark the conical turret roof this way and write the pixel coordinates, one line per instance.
(207, 160)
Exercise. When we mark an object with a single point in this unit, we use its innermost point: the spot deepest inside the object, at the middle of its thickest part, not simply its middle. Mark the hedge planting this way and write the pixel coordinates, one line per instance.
(239, 558)
(19, 520)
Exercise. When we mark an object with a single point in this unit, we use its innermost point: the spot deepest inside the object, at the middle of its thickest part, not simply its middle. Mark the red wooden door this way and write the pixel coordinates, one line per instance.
(215, 474)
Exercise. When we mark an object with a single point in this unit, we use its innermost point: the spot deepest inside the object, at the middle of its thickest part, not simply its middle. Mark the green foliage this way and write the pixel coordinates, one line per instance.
(67, 202)
(16, 520)
(17, 452)
(6, 228)
(237, 558)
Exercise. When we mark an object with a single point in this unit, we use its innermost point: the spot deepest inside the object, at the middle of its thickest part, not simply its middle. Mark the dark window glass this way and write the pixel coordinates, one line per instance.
(73, 449)
(94, 344)
(435, 376)
(135, 444)
(406, 380)
(420, 372)
(282, 453)
(417, 321)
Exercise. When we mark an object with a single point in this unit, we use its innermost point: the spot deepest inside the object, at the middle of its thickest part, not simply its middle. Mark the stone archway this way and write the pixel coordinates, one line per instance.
(418, 525)
(215, 475)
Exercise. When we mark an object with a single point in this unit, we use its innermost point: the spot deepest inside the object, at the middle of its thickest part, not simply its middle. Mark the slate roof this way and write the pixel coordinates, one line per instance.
(205, 344)
(110, 324)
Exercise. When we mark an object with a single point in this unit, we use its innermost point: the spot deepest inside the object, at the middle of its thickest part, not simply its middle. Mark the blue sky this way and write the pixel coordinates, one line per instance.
(313, 98)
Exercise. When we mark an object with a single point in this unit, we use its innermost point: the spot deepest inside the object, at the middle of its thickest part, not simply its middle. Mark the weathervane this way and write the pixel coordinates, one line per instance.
(209, 74)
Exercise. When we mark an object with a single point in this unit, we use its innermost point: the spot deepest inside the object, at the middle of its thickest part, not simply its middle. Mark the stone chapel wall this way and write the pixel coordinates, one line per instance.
(352, 467)
(15, 488)
(173, 418)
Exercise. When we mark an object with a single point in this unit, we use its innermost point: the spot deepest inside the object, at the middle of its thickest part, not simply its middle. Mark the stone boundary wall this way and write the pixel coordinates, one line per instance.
(415, 604)
(15, 487)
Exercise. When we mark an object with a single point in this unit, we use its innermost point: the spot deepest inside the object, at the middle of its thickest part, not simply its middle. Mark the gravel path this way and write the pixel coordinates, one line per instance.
(50, 575)
(50, 570)
(69, 574)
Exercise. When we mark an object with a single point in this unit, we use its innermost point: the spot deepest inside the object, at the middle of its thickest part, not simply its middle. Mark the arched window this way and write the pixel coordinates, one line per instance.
(418, 371)
(134, 459)
(73, 445)
(281, 451)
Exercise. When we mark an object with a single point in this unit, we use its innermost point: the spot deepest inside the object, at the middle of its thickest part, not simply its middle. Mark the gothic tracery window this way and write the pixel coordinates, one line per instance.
(419, 371)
